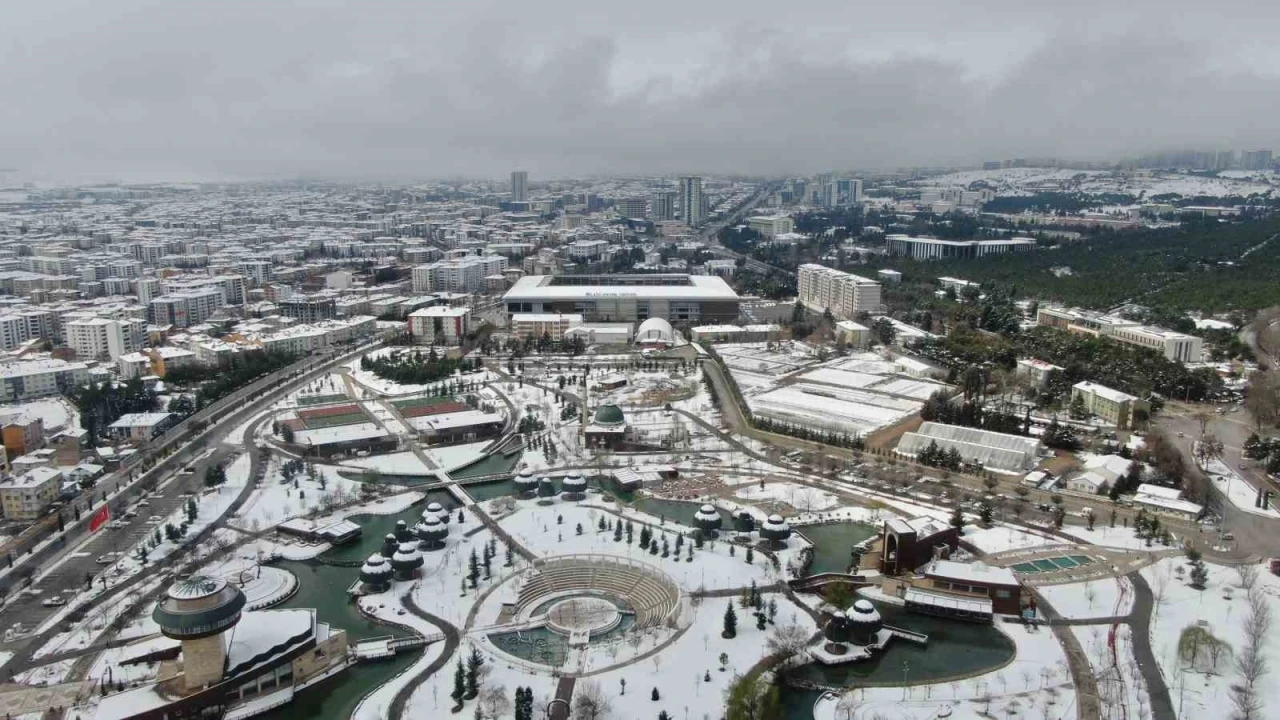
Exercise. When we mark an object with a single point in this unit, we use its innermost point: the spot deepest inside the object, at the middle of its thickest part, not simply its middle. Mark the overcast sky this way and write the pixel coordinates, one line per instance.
(187, 89)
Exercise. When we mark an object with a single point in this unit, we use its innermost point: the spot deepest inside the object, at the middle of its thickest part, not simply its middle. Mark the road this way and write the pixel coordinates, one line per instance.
(61, 568)
(711, 234)
(1255, 534)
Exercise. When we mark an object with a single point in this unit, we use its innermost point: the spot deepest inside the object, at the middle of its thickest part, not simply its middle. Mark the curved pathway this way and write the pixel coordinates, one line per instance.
(452, 638)
(1140, 634)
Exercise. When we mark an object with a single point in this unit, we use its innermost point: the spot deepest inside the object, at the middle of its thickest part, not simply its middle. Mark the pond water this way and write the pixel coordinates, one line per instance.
(375, 527)
(676, 510)
(324, 588)
(495, 462)
(832, 543)
(955, 648)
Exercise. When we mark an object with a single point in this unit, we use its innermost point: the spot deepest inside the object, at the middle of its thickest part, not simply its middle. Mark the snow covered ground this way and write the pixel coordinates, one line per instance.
(276, 501)
(452, 457)
(50, 674)
(1100, 598)
(1014, 181)
(1001, 538)
(800, 497)
(1221, 608)
(400, 463)
(536, 527)
(1121, 688)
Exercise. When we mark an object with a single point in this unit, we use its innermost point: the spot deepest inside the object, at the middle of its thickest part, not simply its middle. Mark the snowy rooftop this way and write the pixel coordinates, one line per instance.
(339, 433)
(263, 634)
(1103, 391)
(970, 572)
(541, 288)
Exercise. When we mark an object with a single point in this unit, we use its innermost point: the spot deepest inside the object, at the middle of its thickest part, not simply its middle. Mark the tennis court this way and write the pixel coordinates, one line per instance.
(1054, 564)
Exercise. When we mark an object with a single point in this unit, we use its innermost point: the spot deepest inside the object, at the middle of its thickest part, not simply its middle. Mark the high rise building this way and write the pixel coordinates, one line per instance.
(631, 207)
(519, 186)
(692, 203)
(1255, 160)
(662, 206)
(822, 288)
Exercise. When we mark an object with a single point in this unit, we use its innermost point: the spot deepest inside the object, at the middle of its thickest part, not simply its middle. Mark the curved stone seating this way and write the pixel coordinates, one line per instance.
(648, 595)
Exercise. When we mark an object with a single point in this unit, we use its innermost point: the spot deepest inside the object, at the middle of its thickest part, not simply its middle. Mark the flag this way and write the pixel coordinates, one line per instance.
(100, 518)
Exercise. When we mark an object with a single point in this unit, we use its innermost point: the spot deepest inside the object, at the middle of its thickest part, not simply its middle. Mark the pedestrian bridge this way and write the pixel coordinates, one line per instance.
(385, 646)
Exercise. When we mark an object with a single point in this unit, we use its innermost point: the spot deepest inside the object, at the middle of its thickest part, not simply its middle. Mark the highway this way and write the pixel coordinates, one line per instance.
(175, 449)
(710, 233)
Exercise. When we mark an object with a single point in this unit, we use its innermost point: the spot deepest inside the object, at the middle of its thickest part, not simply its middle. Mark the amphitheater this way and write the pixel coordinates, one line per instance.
(628, 585)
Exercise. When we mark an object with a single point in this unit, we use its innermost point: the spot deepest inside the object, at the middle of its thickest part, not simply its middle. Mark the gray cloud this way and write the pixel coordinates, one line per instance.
(411, 90)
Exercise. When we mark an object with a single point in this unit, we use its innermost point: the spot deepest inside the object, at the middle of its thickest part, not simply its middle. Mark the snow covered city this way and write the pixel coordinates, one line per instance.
(580, 361)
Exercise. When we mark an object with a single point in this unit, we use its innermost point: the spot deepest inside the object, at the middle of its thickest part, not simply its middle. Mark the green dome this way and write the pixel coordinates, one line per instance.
(609, 415)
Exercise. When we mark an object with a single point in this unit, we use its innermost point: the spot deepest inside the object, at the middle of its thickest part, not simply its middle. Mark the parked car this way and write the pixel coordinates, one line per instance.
(55, 601)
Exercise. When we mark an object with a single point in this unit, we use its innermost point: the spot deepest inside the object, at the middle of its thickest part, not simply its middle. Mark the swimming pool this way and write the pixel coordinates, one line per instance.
(1065, 562)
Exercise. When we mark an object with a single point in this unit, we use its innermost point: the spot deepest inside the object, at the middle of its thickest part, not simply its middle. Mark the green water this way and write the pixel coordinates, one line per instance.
(832, 543)
(324, 588)
(954, 649)
(490, 464)
(375, 527)
(797, 703)
(677, 511)
(490, 490)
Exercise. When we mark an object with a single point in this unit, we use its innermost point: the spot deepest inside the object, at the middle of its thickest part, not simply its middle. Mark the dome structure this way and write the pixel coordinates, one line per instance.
(609, 416)
(437, 511)
(744, 521)
(864, 622)
(546, 488)
(197, 607)
(526, 483)
(403, 532)
(406, 560)
(431, 533)
(390, 544)
(707, 519)
(655, 331)
(836, 630)
(376, 572)
(775, 530)
(574, 487)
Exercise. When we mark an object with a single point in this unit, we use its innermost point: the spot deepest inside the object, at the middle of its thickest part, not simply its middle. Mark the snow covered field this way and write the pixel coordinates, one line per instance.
(1221, 608)
(1104, 597)
(800, 497)
(1001, 538)
(400, 463)
(276, 501)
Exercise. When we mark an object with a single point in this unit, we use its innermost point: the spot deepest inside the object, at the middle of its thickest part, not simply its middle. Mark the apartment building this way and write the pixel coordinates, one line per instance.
(29, 495)
(186, 308)
(1113, 406)
(465, 274)
(440, 325)
(822, 288)
(309, 309)
(304, 339)
(537, 325)
(94, 338)
(37, 378)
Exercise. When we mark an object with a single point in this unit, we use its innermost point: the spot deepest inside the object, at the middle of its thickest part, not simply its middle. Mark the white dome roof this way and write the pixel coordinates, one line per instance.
(708, 509)
(655, 330)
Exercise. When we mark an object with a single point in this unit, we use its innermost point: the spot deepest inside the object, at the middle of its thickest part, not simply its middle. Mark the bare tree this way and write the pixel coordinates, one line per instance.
(789, 638)
(1248, 575)
(590, 702)
(1251, 665)
(495, 702)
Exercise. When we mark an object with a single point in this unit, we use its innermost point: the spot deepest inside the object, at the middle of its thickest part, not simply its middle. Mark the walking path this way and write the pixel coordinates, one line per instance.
(1140, 637)
(452, 638)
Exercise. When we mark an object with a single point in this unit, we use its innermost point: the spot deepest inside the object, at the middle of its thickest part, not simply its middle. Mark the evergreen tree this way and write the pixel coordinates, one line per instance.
(600, 525)
(510, 557)
(751, 556)
(473, 571)
(629, 532)
(474, 661)
(730, 630)
(654, 696)
(957, 520)
(459, 684)
(617, 532)
(645, 536)
(985, 513)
